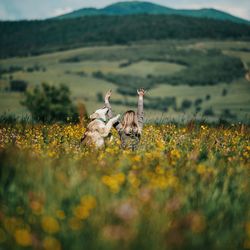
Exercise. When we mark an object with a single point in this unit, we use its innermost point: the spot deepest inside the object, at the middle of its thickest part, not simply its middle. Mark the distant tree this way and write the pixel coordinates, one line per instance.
(208, 97)
(53, 35)
(186, 104)
(198, 109)
(198, 102)
(125, 64)
(50, 104)
(208, 112)
(18, 85)
(81, 73)
(99, 97)
(224, 92)
(227, 114)
(36, 67)
(98, 74)
(30, 69)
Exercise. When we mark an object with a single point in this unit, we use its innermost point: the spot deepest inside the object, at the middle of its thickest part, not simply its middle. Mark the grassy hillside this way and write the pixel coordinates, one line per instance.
(135, 7)
(36, 37)
(141, 62)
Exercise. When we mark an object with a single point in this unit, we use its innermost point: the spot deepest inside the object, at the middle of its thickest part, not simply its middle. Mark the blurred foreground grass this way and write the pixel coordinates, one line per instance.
(185, 188)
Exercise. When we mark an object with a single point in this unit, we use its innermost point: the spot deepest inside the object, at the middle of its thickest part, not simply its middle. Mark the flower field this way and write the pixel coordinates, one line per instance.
(187, 187)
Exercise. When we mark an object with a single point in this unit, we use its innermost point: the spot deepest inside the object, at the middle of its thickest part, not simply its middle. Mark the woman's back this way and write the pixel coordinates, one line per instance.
(130, 128)
(129, 141)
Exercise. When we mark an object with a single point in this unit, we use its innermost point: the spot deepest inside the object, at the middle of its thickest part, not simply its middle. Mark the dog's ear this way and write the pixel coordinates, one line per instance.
(94, 116)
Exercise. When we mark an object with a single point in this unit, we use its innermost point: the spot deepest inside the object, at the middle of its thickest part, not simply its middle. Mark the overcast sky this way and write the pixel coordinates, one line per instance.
(37, 9)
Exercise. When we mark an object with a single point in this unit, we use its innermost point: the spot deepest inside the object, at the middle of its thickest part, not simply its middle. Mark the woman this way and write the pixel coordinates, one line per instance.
(130, 128)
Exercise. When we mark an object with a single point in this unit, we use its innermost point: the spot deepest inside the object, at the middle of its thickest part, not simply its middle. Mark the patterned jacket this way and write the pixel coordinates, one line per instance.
(131, 140)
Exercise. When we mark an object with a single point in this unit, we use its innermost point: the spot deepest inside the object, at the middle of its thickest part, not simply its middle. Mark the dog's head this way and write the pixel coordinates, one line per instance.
(100, 114)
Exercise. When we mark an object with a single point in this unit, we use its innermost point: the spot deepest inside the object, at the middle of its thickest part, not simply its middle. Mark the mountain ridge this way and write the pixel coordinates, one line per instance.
(143, 7)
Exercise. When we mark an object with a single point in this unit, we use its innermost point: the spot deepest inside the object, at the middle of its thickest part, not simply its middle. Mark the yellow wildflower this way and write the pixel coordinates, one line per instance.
(23, 237)
(10, 224)
(81, 212)
(133, 180)
(50, 224)
(88, 201)
(75, 224)
(60, 214)
(114, 182)
(175, 153)
(201, 169)
(50, 243)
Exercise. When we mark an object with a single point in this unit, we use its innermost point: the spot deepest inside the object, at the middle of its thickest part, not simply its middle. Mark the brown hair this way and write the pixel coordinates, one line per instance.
(130, 123)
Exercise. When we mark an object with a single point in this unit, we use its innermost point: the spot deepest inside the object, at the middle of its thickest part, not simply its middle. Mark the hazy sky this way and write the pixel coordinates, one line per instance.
(41, 9)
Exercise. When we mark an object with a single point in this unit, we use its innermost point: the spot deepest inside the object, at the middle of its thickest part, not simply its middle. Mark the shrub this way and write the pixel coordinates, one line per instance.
(125, 64)
(81, 73)
(227, 114)
(208, 97)
(224, 92)
(49, 103)
(11, 69)
(74, 59)
(186, 104)
(8, 119)
(98, 74)
(99, 97)
(30, 70)
(18, 85)
(208, 112)
(198, 109)
(198, 102)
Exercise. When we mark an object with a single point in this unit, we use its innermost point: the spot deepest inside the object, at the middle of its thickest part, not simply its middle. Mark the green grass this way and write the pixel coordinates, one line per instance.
(10, 103)
(186, 187)
(145, 68)
(237, 99)
(108, 60)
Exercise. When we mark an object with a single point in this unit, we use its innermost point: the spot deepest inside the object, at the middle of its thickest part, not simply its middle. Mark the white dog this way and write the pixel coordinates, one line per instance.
(98, 129)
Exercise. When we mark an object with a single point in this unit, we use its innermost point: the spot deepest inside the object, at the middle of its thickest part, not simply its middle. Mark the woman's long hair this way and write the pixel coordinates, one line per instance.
(130, 123)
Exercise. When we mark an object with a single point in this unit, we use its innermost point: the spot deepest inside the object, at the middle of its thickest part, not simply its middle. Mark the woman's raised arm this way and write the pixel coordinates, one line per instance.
(117, 125)
(140, 114)
(107, 104)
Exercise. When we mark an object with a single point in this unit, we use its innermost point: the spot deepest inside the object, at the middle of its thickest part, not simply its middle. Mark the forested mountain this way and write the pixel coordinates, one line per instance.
(133, 8)
(34, 37)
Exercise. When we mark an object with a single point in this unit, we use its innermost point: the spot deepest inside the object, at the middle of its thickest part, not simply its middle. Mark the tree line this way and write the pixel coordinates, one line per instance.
(25, 38)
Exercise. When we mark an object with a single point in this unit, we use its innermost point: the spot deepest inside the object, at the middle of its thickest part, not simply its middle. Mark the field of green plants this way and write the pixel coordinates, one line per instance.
(187, 187)
(204, 79)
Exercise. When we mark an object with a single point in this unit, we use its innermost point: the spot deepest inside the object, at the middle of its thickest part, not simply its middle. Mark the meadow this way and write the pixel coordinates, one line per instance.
(164, 68)
(187, 187)
(187, 184)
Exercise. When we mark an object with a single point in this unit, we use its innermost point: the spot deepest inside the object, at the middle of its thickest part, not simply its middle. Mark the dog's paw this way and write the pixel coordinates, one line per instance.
(117, 117)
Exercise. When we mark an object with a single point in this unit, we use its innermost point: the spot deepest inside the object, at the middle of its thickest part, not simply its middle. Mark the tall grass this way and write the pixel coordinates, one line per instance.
(185, 188)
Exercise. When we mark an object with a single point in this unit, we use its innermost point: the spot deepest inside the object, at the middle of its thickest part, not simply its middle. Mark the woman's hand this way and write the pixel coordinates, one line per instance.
(141, 92)
(108, 94)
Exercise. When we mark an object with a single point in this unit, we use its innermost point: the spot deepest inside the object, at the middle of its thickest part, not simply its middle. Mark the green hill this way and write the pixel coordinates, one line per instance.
(35, 37)
(133, 8)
